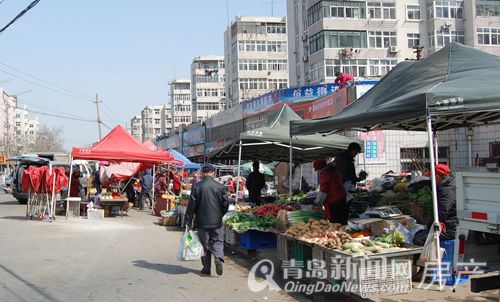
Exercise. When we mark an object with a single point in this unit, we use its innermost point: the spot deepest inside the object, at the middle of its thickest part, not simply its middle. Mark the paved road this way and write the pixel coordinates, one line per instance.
(118, 259)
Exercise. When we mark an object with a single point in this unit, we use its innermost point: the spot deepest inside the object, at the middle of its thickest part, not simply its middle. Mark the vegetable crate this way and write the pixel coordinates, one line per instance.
(377, 228)
(230, 236)
(283, 247)
(95, 214)
(252, 240)
(301, 252)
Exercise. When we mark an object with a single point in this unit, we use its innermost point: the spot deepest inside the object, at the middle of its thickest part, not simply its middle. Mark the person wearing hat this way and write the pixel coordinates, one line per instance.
(447, 206)
(207, 205)
(255, 183)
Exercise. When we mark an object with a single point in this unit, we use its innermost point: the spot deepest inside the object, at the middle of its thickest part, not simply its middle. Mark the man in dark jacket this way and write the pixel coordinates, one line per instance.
(147, 186)
(255, 183)
(345, 165)
(447, 206)
(207, 205)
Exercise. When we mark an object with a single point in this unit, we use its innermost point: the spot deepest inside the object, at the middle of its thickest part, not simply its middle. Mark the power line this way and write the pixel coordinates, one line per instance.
(2, 1)
(43, 86)
(32, 4)
(45, 107)
(63, 116)
(115, 118)
(47, 82)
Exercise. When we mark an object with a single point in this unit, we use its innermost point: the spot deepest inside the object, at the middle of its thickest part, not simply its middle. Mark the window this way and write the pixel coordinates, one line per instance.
(487, 8)
(445, 9)
(488, 36)
(157, 111)
(253, 84)
(317, 72)
(351, 10)
(382, 39)
(413, 40)
(277, 65)
(381, 10)
(445, 37)
(157, 121)
(274, 84)
(413, 12)
(276, 28)
(359, 67)
(337, 39)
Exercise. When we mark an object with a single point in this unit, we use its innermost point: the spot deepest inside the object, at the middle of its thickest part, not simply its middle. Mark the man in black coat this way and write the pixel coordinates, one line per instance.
(207, 205)
(255, 183)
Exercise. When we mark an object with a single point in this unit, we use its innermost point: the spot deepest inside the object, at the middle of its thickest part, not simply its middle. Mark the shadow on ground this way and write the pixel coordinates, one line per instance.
(165, 268)
(15, 217)
(9, 203)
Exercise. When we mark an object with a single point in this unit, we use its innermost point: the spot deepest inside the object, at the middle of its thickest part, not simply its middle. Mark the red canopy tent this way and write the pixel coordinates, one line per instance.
(151, 146)
(120, 146)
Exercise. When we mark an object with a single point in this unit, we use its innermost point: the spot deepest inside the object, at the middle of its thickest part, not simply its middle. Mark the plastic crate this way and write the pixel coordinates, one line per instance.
(252, 240)
(447, 265)
(230, 236)
(95, 214)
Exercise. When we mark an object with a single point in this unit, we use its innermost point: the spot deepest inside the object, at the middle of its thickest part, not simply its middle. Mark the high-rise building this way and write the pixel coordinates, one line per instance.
(8, 104)
(207, 87)
(136, 127)
(368, 38)
(256, 56)
(166, 117)
(151, 117)
(180, 101)
(26, 129)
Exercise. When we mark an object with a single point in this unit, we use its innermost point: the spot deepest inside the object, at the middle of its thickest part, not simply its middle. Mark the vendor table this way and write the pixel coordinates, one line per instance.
(114, 203)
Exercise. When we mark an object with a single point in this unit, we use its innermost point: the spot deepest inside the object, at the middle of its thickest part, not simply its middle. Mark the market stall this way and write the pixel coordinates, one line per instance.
(116, 147)
(440, 92)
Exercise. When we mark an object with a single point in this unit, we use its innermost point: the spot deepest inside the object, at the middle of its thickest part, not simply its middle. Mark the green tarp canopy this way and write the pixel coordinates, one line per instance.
(272, 143)
(458, 86)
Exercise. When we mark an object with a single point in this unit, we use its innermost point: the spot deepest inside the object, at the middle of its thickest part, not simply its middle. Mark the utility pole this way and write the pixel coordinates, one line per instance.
(98, 115)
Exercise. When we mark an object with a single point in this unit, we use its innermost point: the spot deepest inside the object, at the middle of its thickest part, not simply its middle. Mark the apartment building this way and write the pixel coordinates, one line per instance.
(136, 127)
(181, 102)
(166, 117)
(207, 87)
(151, 121)
(8, 105)
(368, 38)
(256, 57)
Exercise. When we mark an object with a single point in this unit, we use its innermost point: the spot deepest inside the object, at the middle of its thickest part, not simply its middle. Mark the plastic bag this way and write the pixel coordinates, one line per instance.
(429, 253)
(190, 247)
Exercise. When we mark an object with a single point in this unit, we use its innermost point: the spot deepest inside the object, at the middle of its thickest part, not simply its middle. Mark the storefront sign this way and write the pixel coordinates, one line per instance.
(259, 104)
(195, 136)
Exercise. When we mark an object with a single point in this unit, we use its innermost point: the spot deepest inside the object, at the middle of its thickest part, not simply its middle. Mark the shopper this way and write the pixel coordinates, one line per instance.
(161, 185)
(176, 183)
(230, 185)
(304, 185)
(344, 79)
(330, 183)
(255, 183)
(208, 203)
(147, 186)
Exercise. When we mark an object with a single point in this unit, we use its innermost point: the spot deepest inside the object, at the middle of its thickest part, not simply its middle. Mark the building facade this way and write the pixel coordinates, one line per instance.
(8, 104)
(151, 121)
(181, 102)
(256, 57)
(367, 38)
(207, 87)
(136, 127)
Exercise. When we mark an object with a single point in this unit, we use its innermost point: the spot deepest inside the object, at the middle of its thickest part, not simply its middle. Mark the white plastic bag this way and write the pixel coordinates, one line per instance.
(190, 247)
(429, 253)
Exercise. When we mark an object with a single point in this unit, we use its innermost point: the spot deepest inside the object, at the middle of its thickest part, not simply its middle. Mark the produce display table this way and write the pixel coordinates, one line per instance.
(114, 203)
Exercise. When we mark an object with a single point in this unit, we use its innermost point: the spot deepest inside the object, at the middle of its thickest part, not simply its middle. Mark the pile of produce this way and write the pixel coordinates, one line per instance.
(304, 216)
(271, 209)
(285, 199)
(242, 208)
(395, 238)
(242, 222)
(368, 247)
(320, 232)
(423, 197)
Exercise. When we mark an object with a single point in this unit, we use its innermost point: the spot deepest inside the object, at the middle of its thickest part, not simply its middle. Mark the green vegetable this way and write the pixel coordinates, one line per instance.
(395, 238)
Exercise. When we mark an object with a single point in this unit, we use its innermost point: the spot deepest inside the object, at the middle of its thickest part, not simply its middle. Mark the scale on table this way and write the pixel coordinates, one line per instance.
(381, 212)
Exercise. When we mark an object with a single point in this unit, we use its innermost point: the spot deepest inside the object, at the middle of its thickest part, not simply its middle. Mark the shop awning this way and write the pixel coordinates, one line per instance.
(181, 158)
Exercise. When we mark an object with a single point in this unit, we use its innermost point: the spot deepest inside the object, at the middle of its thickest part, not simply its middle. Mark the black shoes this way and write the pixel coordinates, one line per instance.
(218, 266)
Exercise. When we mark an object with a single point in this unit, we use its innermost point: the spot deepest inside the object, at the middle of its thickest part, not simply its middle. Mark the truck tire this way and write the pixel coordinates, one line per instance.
(22, 201)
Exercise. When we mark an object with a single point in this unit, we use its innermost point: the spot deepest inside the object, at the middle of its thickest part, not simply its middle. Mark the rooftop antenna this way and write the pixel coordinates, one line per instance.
(272, 3)
(227, 12)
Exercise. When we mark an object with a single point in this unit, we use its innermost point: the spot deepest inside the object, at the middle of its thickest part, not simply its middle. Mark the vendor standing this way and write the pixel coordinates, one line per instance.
(176, 183)
(255, 183)
(75, 186)
(161, 185)
(447, 206)
(330, 183)
(344, 163)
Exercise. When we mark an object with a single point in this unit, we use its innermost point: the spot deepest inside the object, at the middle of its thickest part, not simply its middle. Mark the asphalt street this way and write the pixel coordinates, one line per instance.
(115, 259)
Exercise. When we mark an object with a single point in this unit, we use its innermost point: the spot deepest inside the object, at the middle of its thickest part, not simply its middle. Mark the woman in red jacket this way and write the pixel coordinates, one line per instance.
(330, 182)
(176, 183)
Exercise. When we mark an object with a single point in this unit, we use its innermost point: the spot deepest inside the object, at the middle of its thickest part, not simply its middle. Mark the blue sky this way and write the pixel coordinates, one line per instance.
(124, 50)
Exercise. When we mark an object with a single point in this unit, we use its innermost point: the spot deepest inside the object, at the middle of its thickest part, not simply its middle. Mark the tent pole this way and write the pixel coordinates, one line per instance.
(69, 185)
(436, 230)
(239, 173)
(51, 205)
(436, 147)
(300, 183)
(290, 170)
(364, 158)
(153, 198)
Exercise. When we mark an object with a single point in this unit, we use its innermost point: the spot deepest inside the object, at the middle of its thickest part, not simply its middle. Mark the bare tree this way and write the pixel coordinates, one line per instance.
(48, 140)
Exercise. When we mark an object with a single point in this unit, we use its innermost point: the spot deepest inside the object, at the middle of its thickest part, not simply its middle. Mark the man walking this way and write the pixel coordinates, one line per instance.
(207, 205)
(147, 186)
(255, 183)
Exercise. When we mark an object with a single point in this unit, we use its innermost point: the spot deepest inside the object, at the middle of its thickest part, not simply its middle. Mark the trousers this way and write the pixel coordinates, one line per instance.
(212, 241)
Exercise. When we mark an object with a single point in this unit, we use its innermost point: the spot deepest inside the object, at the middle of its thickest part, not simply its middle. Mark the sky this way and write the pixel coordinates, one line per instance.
(125, 51)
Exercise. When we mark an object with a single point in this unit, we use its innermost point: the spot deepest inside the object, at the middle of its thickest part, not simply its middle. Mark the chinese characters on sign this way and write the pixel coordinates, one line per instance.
(374, 145)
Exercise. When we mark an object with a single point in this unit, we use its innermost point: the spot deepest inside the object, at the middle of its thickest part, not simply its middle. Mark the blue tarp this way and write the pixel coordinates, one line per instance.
(187, 163)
